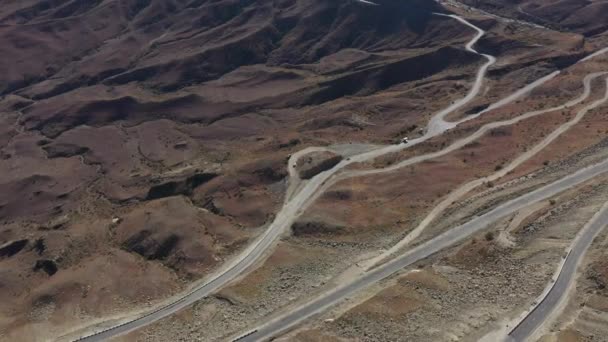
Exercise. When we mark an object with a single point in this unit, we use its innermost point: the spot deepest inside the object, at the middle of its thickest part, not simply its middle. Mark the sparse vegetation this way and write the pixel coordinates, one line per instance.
(164, 151)
(489, 236)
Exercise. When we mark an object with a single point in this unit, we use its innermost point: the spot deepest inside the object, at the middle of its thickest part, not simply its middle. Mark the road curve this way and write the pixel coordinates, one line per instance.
(420, 252)
(437, 124)
(537, 148)
(467, 187)
(557, 295)
(294, 178)
(459, 143)
(284, 218)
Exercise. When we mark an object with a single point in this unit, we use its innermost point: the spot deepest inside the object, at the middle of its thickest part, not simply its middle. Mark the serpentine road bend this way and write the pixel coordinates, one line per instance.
(477, 134)
(437, 124)
(557, 296)
(551, 137)
(289, 212)
(293, 207)
(285, 217)
(467, 187)
(420, 252)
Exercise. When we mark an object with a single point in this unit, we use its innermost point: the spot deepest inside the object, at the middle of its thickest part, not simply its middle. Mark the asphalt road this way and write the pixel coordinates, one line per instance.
(422, 251)
(291, 209)
(558, 293)
(467, 187)
(438, 124)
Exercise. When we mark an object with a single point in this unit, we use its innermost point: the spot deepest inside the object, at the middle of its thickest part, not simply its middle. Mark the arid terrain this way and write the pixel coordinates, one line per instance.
(200, 170)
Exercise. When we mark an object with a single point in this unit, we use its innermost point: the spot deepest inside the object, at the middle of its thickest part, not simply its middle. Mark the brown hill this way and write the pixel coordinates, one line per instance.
(143, 142)
(589, 17)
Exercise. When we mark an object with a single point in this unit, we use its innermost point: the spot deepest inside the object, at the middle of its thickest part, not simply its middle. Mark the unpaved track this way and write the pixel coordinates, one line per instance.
(299, 314)
(556, 298)
(420, 252)
(466, 188)
(285, 217)
(289, 212)
(295, 182)
(518, 161)
(595, 54)
(437, 124)
(455, 145)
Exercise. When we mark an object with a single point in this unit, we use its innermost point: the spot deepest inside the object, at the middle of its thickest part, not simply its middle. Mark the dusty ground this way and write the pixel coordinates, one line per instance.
(469, 288)
(149, 139)
(588, 18)
(146, 147)
(451, 287)
(585, 317)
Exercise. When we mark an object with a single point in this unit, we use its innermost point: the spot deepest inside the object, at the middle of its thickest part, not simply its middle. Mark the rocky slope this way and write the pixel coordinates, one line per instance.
(589, 18)
(144, 142)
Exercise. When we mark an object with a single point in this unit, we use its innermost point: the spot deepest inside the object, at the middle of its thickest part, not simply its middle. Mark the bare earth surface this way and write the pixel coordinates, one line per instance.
(147, 146)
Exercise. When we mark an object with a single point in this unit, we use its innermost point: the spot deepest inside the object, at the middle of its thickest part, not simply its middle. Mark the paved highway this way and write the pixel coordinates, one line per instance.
(467, 187)
(291, 209)
(518, 161)
(557, 296)
(420, 252)
(484, 129)
(285, 217)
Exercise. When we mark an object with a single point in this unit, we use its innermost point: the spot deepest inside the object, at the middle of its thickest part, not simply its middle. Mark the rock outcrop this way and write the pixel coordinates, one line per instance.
(313, 163)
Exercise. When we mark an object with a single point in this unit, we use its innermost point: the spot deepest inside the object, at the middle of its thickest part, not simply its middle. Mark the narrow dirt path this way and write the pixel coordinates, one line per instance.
(293, 207)
(466, 188)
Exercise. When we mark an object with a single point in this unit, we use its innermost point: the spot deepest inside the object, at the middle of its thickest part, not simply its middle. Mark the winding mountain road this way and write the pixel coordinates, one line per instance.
(459, 233)
(556, 297)
(374, 275)
(299, 197)
(467, 187)
(420, 252)
(438, 124)
(368, 280)
(291, 209)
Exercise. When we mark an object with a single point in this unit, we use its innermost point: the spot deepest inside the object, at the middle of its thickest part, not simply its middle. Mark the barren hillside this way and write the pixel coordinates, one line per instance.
(145, 143)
